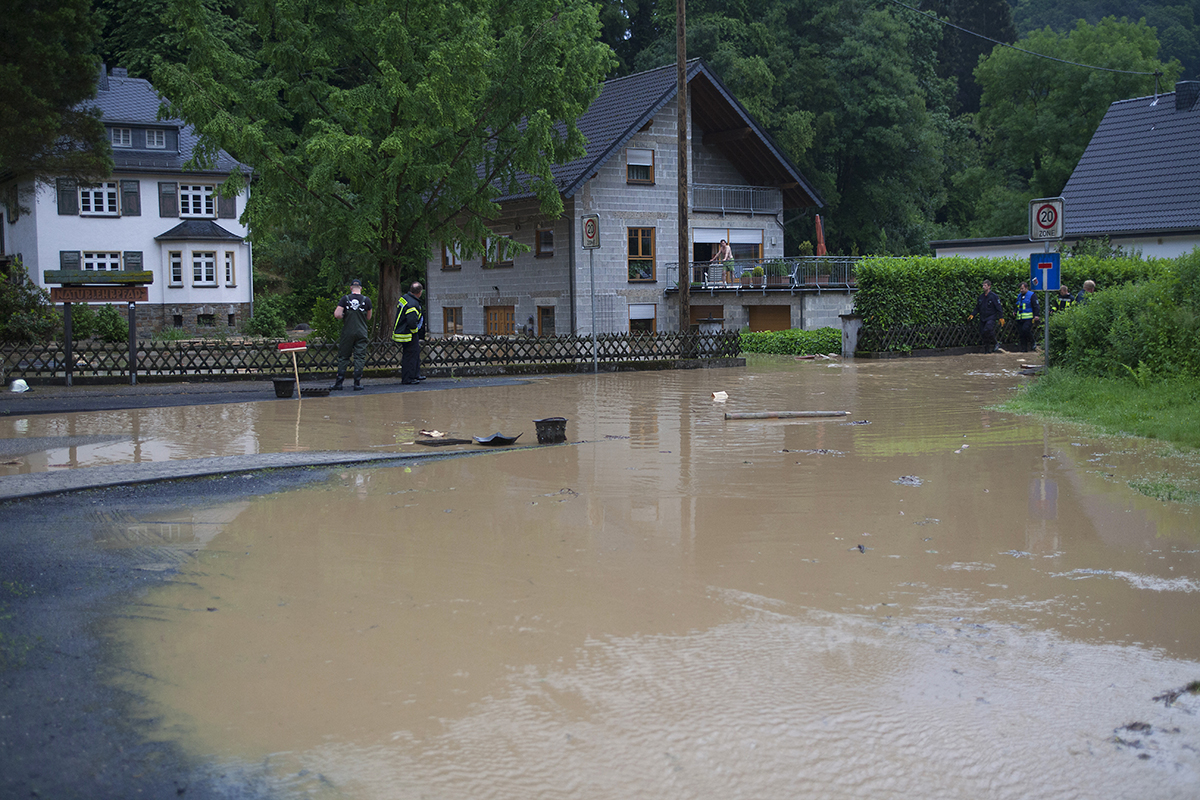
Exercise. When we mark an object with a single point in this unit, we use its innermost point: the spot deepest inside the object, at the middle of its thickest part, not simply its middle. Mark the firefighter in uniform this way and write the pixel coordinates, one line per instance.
(409, 330)
(1028, 313)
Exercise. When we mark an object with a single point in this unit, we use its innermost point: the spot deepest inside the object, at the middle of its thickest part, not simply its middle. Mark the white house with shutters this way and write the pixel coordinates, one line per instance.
(153, 213)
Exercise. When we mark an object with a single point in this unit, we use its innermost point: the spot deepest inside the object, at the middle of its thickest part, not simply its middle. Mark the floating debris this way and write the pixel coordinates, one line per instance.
(821, 452)
(927, 521)
(908, 480)
(858, 422)
(720, 397)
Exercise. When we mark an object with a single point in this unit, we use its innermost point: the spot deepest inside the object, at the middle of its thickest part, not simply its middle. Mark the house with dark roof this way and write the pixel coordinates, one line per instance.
(1138, 182)
(154, 213)
(740, 181)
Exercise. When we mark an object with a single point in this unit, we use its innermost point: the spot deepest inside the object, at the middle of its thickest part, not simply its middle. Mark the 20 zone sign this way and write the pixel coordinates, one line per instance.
(1046, 219)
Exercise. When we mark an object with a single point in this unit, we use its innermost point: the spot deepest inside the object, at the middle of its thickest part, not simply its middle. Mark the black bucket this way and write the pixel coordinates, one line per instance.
(284, 387)
(551, 430)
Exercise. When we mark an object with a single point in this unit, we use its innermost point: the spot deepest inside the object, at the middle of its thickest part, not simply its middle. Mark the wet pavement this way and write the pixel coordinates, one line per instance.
(925, 598)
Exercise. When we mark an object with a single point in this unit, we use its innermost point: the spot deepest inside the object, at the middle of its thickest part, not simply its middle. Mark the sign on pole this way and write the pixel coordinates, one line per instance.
(1046, 219)
(1044, 272)
(591, 231)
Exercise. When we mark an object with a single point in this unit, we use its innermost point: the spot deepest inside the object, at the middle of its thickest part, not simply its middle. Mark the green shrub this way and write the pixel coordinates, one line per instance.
(793, 342)
(83, 321)
(923, 290)
(324, 324)
(270, 317)
(111, 325)
(26, 313)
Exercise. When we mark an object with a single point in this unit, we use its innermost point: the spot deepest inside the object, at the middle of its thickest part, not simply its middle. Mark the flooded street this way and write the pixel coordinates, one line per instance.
(925, 598)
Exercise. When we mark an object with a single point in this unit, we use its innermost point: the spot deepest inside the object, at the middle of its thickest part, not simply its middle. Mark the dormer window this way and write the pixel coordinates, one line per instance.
(156, 139)
(639, 166)
(121, 137)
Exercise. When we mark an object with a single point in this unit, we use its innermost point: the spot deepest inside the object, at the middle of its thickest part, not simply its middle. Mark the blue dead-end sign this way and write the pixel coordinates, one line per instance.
(1044, 272)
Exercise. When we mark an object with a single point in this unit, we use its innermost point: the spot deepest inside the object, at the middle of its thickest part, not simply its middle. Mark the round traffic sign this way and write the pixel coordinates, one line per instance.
(589, 228)
(1047, 216)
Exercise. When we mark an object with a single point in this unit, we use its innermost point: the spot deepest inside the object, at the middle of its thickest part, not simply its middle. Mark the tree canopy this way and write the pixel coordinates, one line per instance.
(386, 127)
(48, 67)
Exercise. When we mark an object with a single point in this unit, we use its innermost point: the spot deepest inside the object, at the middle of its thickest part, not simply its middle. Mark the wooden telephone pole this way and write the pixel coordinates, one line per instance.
(685, 258)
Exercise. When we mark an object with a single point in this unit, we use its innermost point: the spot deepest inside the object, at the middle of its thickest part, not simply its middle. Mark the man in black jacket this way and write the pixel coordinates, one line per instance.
(408, 331)
(989, 310)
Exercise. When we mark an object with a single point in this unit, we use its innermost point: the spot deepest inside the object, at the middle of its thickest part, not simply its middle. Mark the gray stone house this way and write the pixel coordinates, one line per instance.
(740, 184)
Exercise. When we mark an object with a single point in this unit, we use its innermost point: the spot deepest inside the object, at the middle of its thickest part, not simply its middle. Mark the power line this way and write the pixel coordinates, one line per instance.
(949, 24)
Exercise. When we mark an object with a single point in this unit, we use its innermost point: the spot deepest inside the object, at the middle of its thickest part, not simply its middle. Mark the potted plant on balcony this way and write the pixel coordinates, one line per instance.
(757, 276)
(777, 273)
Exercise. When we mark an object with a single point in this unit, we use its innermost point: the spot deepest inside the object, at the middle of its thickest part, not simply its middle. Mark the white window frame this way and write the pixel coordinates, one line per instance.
(156, 139)
(121, 137)
(204, 268)
(197, 200)
(175, 265)
(105, 195)
(101, 262)
(230, 273)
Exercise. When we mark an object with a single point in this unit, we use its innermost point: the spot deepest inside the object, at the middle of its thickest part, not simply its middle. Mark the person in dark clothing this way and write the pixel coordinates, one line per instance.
(1065, 298)
(354, 310)
(989, 310)
(409, 330)
(1085, 293)
(1028, 313)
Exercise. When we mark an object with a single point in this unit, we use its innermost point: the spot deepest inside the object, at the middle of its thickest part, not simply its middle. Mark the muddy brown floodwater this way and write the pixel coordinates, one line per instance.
(924, 599)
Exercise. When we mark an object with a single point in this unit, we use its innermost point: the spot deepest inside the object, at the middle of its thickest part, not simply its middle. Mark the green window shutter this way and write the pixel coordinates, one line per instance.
(168, 200)
(132, 261)
(70, 260)
(131, 198)
(68, 196)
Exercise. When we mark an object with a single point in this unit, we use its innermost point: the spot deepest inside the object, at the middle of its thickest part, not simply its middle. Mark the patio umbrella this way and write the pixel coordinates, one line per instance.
(820, 237)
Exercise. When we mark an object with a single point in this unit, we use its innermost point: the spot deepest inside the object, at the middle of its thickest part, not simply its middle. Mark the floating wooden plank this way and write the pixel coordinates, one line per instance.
(783, 414)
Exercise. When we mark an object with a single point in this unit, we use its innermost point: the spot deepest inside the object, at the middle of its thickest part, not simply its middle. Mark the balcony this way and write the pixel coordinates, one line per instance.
(736, 199)
(799, 273)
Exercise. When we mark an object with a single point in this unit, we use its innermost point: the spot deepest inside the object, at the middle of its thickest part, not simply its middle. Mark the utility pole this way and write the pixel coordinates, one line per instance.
(685, 258)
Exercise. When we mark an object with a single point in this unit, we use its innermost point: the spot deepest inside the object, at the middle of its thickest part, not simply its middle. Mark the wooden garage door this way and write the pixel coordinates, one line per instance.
(770, 318)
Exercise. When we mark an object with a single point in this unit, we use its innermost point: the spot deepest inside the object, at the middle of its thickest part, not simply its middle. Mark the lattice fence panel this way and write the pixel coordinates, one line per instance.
(254, 357)
(926, 337)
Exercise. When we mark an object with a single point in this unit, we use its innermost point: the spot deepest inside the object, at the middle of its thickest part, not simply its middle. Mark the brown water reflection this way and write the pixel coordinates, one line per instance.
(678, 606)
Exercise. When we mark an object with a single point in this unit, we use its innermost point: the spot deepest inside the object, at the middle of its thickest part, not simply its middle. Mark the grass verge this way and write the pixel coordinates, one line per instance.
(1167, 410)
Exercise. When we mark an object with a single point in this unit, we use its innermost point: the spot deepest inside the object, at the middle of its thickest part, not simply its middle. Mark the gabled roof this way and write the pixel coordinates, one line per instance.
(1141, 171)
(198, 230)
(626, 104)
(129, 101)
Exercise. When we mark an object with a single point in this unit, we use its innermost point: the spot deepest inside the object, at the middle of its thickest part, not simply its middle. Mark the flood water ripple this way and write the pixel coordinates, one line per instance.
(677, 605)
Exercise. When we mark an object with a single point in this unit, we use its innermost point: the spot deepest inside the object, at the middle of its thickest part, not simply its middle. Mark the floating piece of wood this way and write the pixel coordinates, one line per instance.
(783, 414)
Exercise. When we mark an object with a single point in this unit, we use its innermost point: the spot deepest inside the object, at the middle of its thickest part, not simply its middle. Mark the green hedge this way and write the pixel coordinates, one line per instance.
(793, 342)
(938, 291)
(1146, 330)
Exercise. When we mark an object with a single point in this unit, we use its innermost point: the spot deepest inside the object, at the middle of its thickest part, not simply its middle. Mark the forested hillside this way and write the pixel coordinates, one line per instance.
(910, 129)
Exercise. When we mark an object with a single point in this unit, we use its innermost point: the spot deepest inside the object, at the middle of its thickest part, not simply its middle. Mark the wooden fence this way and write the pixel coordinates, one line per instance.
(234, 357)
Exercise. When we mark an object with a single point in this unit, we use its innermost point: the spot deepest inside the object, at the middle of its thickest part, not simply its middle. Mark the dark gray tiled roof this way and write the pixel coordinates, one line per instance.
(1140, 172)
(193, 230)
(134, 102)
(626, 104)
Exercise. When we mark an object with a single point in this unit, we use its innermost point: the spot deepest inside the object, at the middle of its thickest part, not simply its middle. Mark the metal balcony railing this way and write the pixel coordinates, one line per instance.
(796, 273)
(737, 199)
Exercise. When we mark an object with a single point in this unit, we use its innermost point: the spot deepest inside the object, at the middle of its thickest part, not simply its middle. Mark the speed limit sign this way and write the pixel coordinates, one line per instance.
(1046, 219)
(591, 232)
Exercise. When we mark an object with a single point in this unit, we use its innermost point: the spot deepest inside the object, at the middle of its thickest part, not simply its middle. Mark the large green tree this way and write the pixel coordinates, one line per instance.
(1037, 115)
(385, 126)
(48, 67)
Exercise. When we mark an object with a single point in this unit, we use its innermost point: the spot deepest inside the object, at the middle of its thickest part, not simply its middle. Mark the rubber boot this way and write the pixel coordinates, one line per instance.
(337, 384)
(358, 380)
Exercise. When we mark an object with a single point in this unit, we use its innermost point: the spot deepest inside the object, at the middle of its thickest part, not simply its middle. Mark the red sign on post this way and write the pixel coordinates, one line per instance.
(99, 294)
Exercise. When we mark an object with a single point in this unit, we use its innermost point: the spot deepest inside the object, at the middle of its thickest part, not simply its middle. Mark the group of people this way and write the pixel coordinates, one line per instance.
(354, 310)
(990, 311)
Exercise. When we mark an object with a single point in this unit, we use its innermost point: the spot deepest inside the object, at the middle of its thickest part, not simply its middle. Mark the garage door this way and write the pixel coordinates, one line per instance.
(770, 318)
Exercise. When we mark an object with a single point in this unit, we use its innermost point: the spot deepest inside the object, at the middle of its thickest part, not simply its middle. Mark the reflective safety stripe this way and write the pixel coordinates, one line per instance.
(1025, 306)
